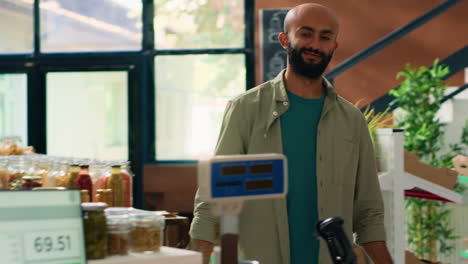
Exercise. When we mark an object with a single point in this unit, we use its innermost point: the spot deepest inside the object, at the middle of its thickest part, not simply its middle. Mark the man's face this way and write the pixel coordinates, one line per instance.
(310, 41)
(308, 62)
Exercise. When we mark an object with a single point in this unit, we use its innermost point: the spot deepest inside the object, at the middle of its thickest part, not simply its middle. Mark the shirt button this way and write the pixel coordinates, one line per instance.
(265, 135)
(321, 183)
(285, 103)
(320, 157)
(275, 113)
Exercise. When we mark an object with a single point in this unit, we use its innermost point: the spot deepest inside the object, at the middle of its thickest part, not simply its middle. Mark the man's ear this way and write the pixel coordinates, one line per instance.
(283, 40)
(336, 46)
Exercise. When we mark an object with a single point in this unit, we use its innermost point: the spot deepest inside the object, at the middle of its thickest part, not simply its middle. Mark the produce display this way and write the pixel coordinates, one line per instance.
(105, 181)
(111, 226)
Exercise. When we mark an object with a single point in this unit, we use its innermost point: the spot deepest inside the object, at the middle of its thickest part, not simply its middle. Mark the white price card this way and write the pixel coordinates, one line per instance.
(52, 244)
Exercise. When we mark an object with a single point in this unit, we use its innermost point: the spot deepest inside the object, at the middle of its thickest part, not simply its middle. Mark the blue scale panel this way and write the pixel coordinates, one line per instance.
(242, 178)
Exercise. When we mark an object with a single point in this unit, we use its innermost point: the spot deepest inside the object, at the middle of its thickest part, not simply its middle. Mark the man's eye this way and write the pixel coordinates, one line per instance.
(306, 34)
(325, 38)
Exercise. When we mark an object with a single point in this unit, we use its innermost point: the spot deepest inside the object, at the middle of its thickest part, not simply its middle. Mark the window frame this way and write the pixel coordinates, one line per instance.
(141, 84)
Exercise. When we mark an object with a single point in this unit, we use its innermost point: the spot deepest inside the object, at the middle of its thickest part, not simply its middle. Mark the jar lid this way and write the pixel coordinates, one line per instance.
(31, 178)
(123, 220)
(118, 211)
(104, 191)
(49, 189)
(146, 216)
(93, 206)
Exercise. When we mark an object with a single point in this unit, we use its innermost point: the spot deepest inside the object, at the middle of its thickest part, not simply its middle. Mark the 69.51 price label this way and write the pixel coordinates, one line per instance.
(52, 244)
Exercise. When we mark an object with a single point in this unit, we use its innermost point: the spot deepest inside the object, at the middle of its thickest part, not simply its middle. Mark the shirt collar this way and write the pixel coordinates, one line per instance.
(280, 93)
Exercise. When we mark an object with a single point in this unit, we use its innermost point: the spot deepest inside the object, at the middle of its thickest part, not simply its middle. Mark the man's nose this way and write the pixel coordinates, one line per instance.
(314, 43)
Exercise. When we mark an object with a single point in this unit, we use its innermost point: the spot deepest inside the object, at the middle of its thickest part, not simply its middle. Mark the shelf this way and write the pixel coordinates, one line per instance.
(417, 187)
(167, 255)
(385, 180)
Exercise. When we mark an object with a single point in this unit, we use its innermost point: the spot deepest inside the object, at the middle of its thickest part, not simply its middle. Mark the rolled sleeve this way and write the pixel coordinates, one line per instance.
(368, 211)
(203, 223)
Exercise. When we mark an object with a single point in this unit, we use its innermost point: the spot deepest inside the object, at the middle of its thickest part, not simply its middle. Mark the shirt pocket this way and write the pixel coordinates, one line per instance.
(345, 161)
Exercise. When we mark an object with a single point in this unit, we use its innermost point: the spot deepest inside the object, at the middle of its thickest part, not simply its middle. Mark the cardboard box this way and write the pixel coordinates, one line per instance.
(444, 176)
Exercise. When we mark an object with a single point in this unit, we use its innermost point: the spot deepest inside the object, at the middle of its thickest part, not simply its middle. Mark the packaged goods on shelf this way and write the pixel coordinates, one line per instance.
(92, 175)
(146, 233)
(95, 226)
(118, 234)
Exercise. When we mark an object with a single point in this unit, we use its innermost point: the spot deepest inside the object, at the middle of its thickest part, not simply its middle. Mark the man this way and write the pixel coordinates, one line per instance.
(330, 155)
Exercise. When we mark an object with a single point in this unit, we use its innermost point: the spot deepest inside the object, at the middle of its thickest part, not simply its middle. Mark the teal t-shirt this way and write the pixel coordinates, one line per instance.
(299, 137)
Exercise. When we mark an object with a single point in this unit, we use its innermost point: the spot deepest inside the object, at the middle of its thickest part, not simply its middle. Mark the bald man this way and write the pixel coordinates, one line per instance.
(331, 163)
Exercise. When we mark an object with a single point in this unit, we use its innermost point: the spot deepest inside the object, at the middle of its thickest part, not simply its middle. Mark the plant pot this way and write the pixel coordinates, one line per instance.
(444, 176)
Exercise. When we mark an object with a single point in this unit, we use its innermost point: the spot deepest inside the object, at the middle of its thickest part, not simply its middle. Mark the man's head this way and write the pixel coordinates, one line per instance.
(310, 32)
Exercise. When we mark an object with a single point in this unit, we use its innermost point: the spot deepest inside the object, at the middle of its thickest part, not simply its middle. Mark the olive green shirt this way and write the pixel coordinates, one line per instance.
(347, 181)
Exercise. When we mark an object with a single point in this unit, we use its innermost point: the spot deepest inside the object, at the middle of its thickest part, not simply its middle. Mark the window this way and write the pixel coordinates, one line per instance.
(17, 38)
(89, 25)
(87, 114)
(191, 95)
(201, 24)
(200, 64)
(13, 106)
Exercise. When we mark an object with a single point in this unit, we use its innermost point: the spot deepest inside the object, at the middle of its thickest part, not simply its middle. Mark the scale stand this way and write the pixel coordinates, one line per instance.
(229, 214)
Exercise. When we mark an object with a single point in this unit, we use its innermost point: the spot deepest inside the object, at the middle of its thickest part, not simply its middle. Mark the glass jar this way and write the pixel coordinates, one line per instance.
(84, 196)
(95, 229)
(3, 172)
(146, 232)
(83, 181)
(17, 168)
(127, 177)
(31, 181)
(72, 175)
(116, 184)
(42, 169)
(105, 196)
(118, 231)
(100, 173)
(59, 173)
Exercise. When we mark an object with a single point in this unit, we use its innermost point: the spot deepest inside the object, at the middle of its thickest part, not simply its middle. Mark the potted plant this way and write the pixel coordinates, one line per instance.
(419, 98)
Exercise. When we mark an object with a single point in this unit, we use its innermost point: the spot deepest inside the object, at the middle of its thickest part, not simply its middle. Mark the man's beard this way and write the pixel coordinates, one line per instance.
(308, 69)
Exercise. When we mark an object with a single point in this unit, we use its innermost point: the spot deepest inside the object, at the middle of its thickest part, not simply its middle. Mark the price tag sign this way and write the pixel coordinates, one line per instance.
(41, 227)
(52, 244)
(56, 244)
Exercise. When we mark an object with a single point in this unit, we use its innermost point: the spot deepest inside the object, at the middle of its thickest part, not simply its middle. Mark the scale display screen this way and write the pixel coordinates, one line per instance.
(38, 227)
(247, 177)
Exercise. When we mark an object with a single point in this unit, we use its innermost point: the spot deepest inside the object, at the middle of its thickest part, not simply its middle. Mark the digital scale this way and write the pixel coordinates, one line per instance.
(227, 181)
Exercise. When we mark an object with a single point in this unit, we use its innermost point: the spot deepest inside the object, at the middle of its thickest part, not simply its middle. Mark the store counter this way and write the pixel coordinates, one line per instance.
(167, 255)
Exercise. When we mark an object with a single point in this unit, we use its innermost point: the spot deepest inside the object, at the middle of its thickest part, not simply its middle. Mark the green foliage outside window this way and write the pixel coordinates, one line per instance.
(419, 97)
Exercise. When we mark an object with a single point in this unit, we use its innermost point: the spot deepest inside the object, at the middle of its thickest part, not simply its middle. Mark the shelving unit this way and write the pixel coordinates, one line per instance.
(395, 182)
